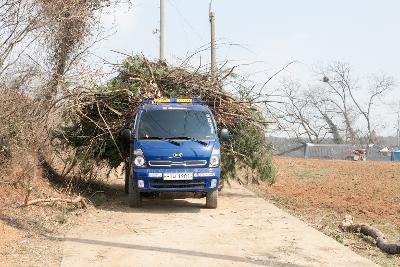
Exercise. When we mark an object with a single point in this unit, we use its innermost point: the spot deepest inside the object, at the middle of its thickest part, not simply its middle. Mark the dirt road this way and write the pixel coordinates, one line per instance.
(245, 230)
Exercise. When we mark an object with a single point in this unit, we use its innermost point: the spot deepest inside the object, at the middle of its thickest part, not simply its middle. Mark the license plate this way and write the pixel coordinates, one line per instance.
(178, 176)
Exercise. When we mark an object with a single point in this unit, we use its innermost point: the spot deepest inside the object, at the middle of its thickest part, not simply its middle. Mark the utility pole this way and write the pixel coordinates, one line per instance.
(162, 30)
(213, 46)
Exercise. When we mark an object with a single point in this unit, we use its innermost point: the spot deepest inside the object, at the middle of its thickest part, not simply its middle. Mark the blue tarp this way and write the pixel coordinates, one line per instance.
(395, 155)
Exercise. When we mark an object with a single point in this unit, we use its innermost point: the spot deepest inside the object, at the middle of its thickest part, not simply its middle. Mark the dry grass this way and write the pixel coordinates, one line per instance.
(24, 231)
(322, 192)
(27, 232)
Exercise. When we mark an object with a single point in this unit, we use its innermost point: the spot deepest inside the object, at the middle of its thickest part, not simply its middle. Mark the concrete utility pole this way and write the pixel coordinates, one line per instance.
(213, 46)
(162, 30)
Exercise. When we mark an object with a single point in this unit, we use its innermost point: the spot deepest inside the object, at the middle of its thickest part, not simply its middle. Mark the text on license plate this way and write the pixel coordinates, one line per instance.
(178, 176)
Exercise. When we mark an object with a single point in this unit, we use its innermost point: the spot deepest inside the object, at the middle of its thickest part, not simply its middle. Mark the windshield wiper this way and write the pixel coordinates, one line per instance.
(189, 138)
(161, 138)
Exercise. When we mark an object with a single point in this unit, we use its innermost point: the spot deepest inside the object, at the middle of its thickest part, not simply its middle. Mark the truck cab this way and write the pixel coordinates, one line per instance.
(173, 147)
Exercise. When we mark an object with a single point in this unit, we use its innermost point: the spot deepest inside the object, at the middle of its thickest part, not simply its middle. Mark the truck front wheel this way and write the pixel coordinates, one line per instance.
(212, 199)
(134, 196)
(127, 179)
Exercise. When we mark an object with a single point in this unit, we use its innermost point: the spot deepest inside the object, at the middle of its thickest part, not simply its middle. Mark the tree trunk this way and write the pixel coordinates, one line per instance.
(337, 139)
(348, 225)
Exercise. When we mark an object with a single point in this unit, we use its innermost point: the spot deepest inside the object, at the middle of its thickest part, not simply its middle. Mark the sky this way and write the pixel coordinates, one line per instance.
(263, 35)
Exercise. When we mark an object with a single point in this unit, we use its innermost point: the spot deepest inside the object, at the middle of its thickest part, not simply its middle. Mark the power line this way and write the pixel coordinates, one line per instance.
(185, 20)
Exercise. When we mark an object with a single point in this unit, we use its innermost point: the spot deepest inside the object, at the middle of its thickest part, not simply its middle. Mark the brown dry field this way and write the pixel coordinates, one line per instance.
(322, 192)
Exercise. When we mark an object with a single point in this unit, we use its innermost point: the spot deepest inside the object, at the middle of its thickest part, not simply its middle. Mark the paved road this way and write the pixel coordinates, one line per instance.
(244, 231)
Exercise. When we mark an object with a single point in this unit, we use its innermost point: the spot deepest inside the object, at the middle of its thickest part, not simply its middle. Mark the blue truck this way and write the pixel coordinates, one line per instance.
(174, 147)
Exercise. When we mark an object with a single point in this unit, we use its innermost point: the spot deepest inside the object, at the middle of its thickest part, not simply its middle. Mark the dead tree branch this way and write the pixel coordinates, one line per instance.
(75, 201)
(348, 225)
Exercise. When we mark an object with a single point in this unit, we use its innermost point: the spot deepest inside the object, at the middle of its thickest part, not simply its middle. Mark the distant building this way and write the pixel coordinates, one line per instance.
(330, 151)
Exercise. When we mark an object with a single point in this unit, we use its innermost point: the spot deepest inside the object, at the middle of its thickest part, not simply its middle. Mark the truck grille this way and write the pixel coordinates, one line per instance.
(196, 183)
(186, 163)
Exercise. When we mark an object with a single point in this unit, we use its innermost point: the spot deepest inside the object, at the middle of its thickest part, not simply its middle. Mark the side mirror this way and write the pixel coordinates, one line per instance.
(224, 135)
(126, 135)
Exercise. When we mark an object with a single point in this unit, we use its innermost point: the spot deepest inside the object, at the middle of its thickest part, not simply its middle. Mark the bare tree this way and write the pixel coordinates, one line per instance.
(343, 86)
(379, 86)
(40, 41)
(339, 108)
(69, 27)
(324, 107)
(19, 30)
(337, 77)
(298, 115)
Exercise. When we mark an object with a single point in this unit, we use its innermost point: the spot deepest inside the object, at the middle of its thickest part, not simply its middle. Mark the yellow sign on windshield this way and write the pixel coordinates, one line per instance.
(173, 100)
(184, 100)
(165, 100)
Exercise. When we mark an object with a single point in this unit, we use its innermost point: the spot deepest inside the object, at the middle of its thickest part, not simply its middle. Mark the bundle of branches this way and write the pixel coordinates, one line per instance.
(97, 116)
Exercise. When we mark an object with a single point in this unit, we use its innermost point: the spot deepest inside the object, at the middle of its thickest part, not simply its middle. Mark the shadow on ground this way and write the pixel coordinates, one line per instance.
(271, 261)
(111, 196)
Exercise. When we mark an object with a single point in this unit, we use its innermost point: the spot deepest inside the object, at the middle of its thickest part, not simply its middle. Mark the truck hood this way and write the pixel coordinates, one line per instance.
(163, 150)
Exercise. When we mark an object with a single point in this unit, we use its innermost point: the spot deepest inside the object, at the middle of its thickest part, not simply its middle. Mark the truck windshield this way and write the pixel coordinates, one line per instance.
(176, 124)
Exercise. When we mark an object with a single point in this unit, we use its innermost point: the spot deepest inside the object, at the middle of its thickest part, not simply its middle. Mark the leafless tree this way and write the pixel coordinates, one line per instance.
(323, 106)
(69, 25)
(379, 86)
(298, 115)
(40, 41)
(336, 107)
(343, 87)
(20, 24)
(337, 77)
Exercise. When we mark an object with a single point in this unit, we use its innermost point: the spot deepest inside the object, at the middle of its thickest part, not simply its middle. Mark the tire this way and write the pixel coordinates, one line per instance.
(212, 199)
(127, 176)
(134, 196)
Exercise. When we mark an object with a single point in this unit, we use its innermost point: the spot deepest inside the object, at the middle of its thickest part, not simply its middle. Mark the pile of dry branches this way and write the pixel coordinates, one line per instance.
(95, 118)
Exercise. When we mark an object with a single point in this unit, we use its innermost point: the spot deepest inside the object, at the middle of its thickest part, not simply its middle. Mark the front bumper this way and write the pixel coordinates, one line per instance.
(153, 180)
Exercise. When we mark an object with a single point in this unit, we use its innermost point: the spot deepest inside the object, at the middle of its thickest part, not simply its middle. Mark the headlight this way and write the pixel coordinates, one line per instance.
(215, 158)
(139, 161)
(139, 158)
(214, 161)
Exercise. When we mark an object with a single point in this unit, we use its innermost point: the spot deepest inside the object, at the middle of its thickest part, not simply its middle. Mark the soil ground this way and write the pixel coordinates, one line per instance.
(322, 192)
(245, 230)
(26, 233)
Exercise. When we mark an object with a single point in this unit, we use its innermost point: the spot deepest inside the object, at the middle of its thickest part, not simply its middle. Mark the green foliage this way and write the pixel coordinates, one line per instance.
(250, 148)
